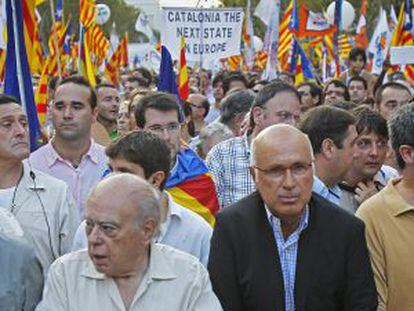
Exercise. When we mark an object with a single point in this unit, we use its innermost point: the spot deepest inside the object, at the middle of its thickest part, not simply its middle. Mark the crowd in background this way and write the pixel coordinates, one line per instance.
(109, 179)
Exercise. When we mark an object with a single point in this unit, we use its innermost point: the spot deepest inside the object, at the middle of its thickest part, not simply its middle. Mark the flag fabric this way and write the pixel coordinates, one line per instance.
(86, 66)
(97, 42)
(118, 59)
(344, 46)
(41, 94)
(87, 12)
(361, 37)
(270, 72)
(191, 185)
(379, 43)
(18, 82)
(265, 11)
(113, 40)
(142, 25)
(234, 62)
(57, 27)
(403, 36)
(338, 24)
(29, 22)
(393, 18)
(183, 88)
(286, 30)
(313, 24)
(37, 51)
(168, 82)
(247, 36)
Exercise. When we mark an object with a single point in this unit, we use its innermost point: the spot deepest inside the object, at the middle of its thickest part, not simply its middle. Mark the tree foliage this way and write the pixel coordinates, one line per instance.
(122, 14)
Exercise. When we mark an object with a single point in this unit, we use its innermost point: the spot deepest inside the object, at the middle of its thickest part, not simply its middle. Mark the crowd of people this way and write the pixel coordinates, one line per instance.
(313, 187)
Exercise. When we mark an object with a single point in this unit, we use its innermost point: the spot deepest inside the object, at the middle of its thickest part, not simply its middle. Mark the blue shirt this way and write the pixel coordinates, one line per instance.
(332, 194)
(288, 250)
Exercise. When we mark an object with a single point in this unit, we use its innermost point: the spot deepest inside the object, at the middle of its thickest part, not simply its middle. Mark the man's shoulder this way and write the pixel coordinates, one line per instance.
(180, 262)
(228, 145)
(47, 180)
(242, 209)
(328, 215)
(376, 206)
(191, 219)
(74, 262)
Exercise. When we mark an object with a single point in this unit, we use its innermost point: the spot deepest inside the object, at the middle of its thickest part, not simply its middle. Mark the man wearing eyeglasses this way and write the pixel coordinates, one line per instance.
(284, 248)
(160, 113)
(367, 173)
(388, 216)
(335, 91)
(228, 161)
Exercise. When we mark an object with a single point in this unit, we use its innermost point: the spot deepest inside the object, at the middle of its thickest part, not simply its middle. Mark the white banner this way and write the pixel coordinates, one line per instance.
(208, 33)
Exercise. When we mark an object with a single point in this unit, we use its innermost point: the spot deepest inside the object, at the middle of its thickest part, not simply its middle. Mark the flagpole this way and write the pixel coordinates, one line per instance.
(18, 60)
(55, 38)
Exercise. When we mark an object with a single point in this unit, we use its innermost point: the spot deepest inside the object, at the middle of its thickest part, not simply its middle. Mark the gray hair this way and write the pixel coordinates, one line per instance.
(236, 102)
(215, 129)
(401, 130)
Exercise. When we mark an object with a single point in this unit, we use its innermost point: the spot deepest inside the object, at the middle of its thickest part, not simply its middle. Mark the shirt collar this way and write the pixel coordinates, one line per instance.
(320, 188)
(396, 203)
(303, 222)
(52, 156)
(173, 207)
(159, 267)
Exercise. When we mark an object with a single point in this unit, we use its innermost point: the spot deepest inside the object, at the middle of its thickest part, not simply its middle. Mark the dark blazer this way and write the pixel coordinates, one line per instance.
(333, 270)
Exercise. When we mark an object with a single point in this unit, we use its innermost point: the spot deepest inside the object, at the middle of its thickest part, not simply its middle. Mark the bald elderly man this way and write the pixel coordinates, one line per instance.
(283, 247)
(122, 269)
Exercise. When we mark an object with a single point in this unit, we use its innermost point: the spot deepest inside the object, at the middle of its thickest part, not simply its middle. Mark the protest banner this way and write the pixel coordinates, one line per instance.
(208, 33)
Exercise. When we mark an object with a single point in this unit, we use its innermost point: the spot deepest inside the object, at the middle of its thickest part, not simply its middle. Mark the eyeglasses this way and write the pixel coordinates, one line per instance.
(279, 172)
(172, 127)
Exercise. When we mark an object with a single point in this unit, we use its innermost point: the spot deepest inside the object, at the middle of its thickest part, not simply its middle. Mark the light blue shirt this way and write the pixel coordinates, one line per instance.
(332, 194)
(288, 250)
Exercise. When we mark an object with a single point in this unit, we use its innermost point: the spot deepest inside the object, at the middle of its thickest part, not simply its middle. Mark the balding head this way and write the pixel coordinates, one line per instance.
(280, 136)
(282, 170)
(122, 216)
(128, 191)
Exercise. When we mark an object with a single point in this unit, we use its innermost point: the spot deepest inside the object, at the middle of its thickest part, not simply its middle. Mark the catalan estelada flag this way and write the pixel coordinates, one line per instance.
(183, 89)
(191, 185)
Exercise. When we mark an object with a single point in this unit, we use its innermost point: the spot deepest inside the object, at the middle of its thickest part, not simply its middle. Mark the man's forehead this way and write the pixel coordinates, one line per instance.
(370, 134)
(155, 116)
(103, 91)
(66, 92)
(11, 109)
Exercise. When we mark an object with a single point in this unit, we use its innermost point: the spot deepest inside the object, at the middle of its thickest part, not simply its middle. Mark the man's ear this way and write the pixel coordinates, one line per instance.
(407, 154)
(95, 113)
(257, 114)
(156, 179)
(328, 148)
(252, 172)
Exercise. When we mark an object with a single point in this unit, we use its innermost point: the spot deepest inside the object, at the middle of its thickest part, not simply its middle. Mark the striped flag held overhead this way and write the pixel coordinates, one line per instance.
(87, 12)
(183, 88)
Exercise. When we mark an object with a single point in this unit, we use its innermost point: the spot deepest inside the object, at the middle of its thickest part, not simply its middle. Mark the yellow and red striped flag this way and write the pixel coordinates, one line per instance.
(41, 94)
(118, 59)
(344, 46)
(183, 89)
(286, 32)
(234, 62)
(87, 12)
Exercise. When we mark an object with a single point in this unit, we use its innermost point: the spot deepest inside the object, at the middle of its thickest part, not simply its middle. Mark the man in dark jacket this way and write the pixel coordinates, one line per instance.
(284, 248)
